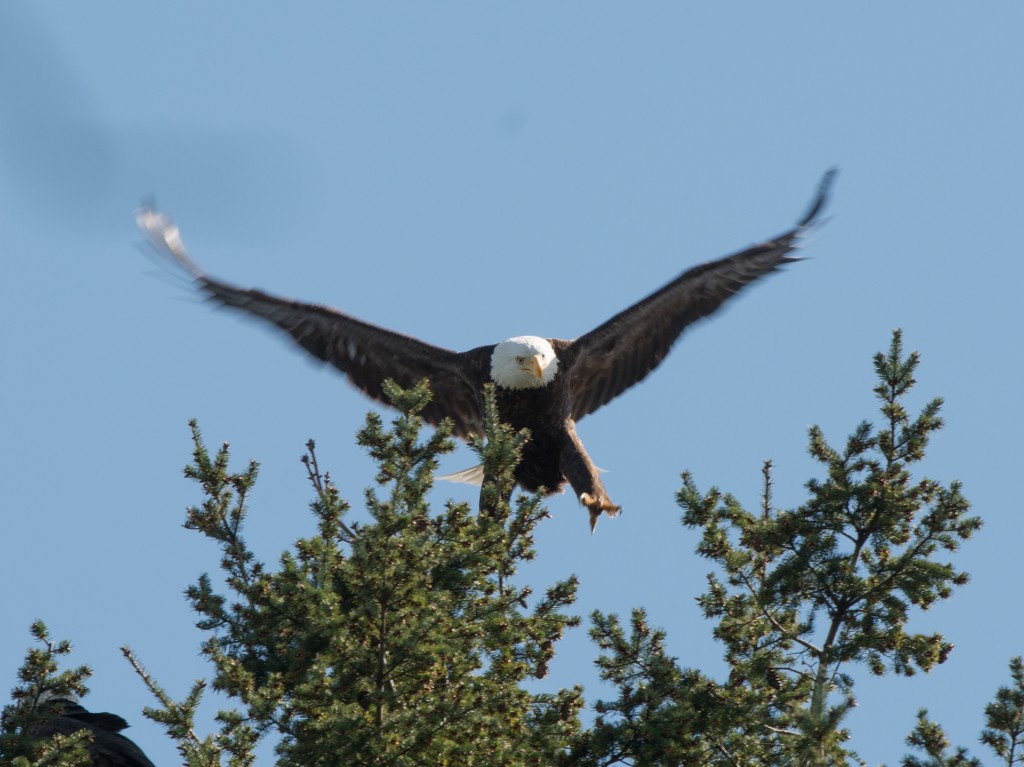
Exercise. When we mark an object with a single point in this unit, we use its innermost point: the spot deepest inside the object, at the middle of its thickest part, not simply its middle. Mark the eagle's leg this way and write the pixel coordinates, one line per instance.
(585, 479)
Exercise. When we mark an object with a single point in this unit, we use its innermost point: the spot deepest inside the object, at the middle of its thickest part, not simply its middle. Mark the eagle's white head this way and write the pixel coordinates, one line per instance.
(524, 362)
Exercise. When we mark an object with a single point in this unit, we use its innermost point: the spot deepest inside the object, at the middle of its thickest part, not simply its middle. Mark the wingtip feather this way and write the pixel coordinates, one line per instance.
(821, 198)
(165, 236)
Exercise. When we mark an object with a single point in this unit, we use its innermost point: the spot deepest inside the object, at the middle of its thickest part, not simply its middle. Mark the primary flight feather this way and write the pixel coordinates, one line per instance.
(543, 384)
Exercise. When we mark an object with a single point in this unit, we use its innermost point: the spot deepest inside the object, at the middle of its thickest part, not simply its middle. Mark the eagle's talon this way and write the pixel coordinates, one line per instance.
(597, 505)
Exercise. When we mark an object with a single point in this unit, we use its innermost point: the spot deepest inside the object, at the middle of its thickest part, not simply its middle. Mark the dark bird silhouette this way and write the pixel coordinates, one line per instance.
(109, 748)
(543, 384)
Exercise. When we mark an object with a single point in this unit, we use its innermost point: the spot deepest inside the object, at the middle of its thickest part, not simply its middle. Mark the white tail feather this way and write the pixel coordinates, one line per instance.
(471, 476)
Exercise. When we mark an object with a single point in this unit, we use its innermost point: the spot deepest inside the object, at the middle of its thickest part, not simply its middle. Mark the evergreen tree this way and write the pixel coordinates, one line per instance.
(804, 596)
(406, 640)
(1003, 733)
(930, 738)
(1004, 718)
(403, 641)
(39, 680)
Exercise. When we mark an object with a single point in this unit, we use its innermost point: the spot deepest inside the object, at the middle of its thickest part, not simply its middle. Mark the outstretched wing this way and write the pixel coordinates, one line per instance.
(367, 354)
(621, 352)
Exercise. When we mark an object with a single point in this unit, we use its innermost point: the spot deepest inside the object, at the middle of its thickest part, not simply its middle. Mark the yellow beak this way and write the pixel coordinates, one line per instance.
(535, 366)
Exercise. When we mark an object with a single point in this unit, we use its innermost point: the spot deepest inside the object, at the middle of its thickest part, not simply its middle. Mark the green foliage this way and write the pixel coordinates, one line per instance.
(400, 641)
(930, 738)
(1003, 733)
(1004, 718)
(235, 739)
(663, 715)
(40, 680)
(803, 596)
(405, 639)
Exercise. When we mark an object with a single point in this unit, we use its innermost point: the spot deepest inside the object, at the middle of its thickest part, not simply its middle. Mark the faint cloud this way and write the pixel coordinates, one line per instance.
(64, 162)
(52, 146)
(512, 120)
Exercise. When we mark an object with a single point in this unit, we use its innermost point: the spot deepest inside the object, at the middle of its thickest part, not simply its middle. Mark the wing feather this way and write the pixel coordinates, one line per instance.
(625, 349)
(365, 353)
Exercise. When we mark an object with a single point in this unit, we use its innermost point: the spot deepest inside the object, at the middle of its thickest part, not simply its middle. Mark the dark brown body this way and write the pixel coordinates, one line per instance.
(108, 748)
(554, 454)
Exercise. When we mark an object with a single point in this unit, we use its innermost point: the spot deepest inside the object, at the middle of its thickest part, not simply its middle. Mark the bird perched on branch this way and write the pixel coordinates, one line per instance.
(543, 384)
(108, 747)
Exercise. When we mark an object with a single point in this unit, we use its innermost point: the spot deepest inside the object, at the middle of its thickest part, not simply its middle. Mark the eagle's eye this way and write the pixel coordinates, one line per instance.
(520, 360)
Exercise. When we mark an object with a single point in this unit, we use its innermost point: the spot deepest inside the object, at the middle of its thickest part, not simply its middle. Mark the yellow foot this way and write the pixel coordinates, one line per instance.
(596, 505)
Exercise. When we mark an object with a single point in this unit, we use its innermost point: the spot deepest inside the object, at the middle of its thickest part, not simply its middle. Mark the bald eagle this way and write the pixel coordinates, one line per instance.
(108, 747)
(543, 384)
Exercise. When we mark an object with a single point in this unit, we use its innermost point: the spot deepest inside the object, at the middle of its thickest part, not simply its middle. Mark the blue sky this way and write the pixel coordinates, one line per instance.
(468, 172)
